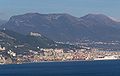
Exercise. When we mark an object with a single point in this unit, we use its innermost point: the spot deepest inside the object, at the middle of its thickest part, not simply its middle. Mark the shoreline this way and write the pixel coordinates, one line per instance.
(60, 61)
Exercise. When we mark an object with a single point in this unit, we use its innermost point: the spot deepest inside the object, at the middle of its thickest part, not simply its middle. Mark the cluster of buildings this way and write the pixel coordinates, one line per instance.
(58, 55)
(67, 55)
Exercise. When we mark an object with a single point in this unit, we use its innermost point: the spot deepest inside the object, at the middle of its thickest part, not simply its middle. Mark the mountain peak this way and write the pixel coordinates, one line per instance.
(102, 17)
(95, 16)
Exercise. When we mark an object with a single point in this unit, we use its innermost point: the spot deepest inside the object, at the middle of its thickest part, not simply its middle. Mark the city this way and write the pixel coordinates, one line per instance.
(53, 55)
(59, 38)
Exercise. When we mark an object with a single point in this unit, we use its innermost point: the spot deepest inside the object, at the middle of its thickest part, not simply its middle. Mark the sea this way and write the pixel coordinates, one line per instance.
(70, 68)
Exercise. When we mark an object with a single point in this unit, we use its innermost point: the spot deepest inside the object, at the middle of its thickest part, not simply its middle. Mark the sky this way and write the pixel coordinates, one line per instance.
(76, 8)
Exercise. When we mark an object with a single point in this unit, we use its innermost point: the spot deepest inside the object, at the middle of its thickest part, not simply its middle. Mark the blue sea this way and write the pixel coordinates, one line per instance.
(73, 68)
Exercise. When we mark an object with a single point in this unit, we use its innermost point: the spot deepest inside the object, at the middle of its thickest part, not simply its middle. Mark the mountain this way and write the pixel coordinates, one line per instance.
(65, 27)
(100, 20)
(101, 27)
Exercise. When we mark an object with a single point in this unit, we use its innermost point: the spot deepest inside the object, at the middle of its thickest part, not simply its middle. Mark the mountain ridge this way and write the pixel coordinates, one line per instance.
(65, 27)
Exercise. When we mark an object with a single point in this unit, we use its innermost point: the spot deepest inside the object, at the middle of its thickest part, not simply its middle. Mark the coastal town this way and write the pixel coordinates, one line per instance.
(49, 54)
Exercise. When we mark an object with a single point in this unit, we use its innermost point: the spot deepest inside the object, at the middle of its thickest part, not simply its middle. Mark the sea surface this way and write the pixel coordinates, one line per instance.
(73, 68)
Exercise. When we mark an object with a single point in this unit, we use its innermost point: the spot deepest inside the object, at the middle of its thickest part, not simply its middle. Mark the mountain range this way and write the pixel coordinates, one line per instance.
(65, 27)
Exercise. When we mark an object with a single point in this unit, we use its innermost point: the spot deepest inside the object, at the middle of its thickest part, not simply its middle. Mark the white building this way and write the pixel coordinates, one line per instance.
(35, 34)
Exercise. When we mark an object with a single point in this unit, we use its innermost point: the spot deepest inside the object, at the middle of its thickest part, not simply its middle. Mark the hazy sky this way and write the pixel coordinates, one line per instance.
(75, 7)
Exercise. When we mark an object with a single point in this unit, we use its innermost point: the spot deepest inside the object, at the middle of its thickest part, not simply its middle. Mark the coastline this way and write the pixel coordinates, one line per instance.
(60, 61)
